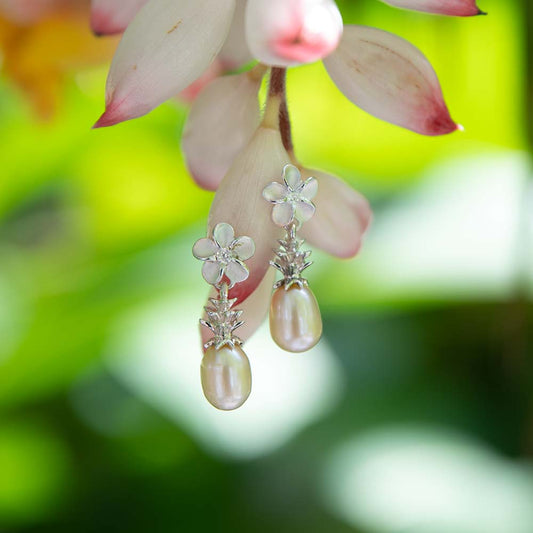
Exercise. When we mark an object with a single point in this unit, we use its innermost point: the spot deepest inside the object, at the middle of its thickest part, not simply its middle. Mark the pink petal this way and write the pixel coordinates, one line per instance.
(390, 79)
(458, 8)
(240, 203)
(191, 93)
(291, 32)
(165, 48)
(221, 122)
(255, 308)
(109, 17)
(235, 52)
(341, 218)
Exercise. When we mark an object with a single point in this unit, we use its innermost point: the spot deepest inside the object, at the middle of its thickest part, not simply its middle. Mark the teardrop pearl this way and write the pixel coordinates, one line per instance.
(295, 321)
(226, 377)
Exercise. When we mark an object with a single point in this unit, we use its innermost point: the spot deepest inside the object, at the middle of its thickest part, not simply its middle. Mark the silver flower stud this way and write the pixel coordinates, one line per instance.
(224, 255)
(291, 199)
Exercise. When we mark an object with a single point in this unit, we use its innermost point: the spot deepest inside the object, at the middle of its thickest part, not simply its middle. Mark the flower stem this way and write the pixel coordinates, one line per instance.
(276, 90)
(285, 127)
(277, 82)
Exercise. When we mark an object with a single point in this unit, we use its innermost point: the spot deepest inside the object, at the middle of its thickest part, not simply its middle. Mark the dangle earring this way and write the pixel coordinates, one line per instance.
(225, 370)
(295, 321)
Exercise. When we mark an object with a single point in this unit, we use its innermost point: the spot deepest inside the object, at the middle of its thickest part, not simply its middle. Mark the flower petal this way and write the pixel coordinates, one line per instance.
(235, 52)
(282, 214)
(223, 234)
(236, 272)
(275, 192)
(191, 92)
(239, 202)
(254, 308)
(309, 188)
(291, 32)
(109, 17)
(204, 249)
(245, 247)
(303, 211)
(458, 8)
(212, 272)
(164, 49)
(342, 216)
(222, 121)
(292, 177)
(390, 79)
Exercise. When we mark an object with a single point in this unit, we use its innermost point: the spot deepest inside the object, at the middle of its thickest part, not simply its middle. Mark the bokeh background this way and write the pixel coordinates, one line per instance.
(415, 412)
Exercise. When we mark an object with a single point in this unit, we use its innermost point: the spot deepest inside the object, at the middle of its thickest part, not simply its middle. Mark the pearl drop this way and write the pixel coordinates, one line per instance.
(226, 377)
(295, 321)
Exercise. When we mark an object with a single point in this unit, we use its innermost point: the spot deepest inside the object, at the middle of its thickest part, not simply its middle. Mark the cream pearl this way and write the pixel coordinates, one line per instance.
(226, 377)
(295, 321)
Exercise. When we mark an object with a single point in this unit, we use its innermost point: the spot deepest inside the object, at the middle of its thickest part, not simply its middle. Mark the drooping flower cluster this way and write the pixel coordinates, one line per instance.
(229, 145)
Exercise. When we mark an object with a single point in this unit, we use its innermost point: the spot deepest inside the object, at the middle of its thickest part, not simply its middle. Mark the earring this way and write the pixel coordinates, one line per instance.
(295, 321)
(225, 371)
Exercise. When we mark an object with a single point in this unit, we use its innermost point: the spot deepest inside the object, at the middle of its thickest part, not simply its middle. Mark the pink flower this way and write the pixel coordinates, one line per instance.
(169, 44)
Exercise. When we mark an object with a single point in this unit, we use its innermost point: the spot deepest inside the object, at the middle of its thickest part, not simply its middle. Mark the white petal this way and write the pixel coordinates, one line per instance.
(204, 249)
(254, 308)
(304, 211)
(458, 8)
(282, 214)
(109, 17)
(223, 234)
(212, 272)
(292, 177)
(309, 188)
(235, 52)
(245, 247)
(164, 49)
(342, 216)
(236, 272)
(291, 32)
(274, 192)
(390, 79)
(239, 201)
(221, 122)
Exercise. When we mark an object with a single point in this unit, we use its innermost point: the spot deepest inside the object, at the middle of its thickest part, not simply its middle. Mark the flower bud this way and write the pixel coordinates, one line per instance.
(292, 32)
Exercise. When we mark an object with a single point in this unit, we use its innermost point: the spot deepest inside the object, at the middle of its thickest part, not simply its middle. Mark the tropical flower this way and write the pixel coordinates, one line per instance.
(224, 255)
(169, 44)
(231, 149)
(292, 200)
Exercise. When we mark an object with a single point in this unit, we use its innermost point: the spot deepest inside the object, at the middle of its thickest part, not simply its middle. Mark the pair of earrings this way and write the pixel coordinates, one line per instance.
(295, 321)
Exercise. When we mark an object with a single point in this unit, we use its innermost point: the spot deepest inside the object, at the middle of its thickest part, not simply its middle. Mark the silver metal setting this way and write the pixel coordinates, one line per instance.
(223, 257)
(292, 207)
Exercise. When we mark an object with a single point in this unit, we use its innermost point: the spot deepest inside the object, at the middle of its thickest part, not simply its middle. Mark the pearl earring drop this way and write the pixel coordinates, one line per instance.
(225, 371)
(295, 321)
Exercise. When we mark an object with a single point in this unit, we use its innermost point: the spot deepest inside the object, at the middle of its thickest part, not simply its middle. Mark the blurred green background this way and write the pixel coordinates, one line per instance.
(414, 414)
